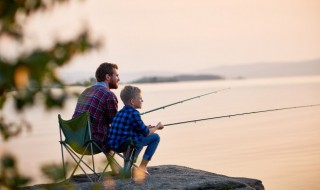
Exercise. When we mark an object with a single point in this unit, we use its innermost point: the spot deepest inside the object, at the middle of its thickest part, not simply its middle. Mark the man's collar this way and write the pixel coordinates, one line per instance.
(102, 84)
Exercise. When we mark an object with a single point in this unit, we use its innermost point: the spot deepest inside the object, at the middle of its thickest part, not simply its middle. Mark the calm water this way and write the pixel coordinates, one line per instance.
(280, 148)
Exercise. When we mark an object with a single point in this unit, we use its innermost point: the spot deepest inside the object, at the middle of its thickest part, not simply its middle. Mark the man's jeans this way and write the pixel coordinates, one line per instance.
(151, 142)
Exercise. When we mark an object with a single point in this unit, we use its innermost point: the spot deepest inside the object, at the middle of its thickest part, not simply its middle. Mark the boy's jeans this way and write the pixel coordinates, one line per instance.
(151, 142)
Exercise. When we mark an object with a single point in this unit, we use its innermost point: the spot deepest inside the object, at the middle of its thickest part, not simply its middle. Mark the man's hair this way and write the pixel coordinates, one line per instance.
(103, 69)
(128, 93)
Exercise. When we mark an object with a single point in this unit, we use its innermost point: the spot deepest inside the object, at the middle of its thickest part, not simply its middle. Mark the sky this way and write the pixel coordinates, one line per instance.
(182, 36)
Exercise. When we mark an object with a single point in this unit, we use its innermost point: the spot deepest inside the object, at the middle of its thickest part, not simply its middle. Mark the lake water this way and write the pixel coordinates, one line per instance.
(280, 148)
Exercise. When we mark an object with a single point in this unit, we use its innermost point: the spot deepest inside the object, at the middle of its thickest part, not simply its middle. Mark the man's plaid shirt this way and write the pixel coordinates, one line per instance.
(126, 124)
(102, 105)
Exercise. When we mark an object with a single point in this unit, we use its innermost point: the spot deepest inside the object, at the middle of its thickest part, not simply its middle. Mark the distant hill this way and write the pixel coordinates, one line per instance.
(303, 68)
(159, 79)
(252, 70)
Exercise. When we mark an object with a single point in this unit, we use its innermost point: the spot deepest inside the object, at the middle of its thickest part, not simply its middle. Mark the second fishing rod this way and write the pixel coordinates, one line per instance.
(241, 114)
(185, 100)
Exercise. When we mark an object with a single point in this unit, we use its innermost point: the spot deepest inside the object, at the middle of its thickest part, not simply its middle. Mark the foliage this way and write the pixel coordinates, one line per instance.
(9, 175)
(31, 74)
(55, 172)
(11, 129)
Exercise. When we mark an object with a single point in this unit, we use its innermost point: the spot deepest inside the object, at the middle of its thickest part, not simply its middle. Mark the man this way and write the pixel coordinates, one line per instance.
(101, 103)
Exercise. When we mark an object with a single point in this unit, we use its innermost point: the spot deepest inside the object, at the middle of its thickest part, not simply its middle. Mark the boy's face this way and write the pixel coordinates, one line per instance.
(137, 101)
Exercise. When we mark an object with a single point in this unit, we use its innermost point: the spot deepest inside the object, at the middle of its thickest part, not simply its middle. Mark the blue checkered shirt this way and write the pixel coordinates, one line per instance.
(126, 124)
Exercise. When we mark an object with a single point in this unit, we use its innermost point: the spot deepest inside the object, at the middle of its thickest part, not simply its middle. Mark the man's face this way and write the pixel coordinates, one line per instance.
(114, 79)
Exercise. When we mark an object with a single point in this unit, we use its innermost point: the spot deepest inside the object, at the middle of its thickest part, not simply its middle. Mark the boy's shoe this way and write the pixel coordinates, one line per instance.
(139, 175)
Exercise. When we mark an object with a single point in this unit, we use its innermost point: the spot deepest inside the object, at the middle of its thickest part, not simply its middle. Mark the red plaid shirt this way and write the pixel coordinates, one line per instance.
(102, 105)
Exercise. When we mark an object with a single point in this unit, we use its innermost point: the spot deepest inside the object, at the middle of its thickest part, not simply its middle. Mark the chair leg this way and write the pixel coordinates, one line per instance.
(80, 160)
(128, 162)
(93, 165)
(64, 167)
(72, 154)
(111, 161)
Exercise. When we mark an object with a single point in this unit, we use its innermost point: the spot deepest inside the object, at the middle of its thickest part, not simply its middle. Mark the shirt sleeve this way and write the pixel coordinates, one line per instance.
(112, 107)
(140, 127)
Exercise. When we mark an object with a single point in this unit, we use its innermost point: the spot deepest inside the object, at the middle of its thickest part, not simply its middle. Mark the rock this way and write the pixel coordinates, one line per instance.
(162, 177)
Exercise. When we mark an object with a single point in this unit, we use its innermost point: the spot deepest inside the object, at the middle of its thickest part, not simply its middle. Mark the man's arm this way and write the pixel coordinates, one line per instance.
(112, 107)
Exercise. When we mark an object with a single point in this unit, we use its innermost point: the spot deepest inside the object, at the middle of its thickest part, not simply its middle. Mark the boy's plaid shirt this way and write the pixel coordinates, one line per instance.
(126, 124)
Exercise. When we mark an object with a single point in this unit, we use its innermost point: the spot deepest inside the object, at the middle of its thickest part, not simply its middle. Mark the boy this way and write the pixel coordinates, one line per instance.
(127, 124)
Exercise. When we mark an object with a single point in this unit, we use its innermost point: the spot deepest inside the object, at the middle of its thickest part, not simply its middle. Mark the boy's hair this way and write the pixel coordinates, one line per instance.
(128, 93)
(103, 69)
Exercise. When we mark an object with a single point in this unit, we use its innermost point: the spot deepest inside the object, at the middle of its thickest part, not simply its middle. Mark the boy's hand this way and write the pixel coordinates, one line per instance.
(159, 126)
(150, 126)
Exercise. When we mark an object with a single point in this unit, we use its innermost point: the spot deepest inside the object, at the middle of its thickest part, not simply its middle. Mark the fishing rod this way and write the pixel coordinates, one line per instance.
(179, 102)
(238, 114)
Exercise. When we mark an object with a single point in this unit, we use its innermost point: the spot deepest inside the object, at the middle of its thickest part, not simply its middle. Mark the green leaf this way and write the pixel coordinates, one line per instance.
(8, 161)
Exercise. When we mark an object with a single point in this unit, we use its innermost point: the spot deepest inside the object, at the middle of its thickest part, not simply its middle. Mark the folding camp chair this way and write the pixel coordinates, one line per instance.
(78, 142)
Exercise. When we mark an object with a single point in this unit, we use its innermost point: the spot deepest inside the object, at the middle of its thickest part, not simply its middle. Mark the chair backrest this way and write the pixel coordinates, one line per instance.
(77, 133)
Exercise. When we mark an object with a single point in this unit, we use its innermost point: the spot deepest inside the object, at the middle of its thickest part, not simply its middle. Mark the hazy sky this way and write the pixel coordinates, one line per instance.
(185, 35)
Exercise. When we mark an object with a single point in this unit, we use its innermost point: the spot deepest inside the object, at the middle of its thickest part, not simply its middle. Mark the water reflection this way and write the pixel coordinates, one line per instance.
(280, 148)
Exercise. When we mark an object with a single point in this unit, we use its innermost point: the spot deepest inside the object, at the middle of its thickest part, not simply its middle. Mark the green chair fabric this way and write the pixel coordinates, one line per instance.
(77, 132)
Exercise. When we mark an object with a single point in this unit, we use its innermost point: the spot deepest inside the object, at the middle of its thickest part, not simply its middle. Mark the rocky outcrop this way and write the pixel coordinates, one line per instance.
(164, 177)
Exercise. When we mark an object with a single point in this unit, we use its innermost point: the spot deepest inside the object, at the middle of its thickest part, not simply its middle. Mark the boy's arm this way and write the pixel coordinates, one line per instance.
(153, 129)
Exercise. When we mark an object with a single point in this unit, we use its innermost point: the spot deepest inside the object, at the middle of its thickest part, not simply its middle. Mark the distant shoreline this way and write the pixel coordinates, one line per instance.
(177, 78)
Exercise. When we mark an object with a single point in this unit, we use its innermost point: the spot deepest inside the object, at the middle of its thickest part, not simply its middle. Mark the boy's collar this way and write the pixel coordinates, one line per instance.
(127, 105)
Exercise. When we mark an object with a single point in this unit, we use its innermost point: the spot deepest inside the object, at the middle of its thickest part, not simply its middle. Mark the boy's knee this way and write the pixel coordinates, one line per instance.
(156, 137)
